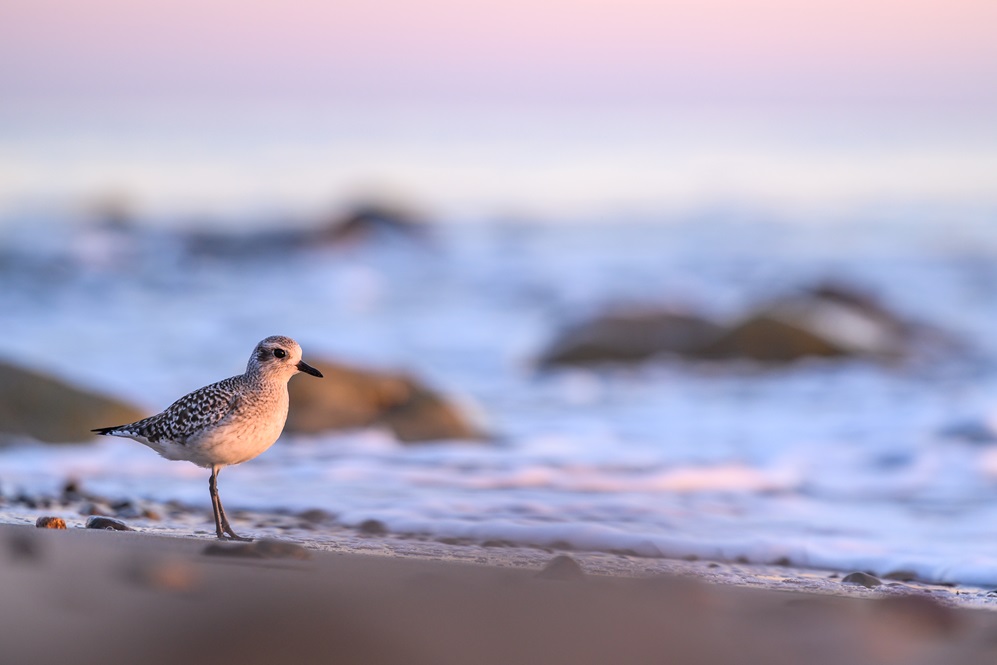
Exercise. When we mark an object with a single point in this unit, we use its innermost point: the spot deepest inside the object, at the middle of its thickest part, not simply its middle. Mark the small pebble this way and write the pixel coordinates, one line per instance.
(108, 523)
(862, 579)
(50, 523)
(562, 568)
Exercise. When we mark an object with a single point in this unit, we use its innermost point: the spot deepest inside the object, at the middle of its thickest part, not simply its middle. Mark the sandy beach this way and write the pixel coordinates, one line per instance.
(98, 596)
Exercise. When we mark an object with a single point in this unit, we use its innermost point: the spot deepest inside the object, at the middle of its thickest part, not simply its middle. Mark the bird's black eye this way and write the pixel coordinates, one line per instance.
(279, 353)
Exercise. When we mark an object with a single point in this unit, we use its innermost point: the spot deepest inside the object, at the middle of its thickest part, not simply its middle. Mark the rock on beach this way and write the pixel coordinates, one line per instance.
(28, 400)
(351, 398)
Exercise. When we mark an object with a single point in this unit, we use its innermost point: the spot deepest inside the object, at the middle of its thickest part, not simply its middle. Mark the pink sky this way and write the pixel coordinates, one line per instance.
(628, 51)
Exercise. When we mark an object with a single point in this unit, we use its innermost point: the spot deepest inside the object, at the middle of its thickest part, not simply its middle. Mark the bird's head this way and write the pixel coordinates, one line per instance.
(278, 358)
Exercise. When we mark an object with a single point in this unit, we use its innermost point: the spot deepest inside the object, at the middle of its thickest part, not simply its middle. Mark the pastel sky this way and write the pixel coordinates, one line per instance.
(639, 51)
(560, 105)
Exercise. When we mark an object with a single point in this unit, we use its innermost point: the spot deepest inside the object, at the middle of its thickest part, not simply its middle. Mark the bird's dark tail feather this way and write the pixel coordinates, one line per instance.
(105, 430)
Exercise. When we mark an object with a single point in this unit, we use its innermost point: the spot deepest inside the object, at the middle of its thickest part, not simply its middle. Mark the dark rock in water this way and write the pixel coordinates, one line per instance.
(108, 523)
(352, 398)
(29, 399)
(629, 337)
(50, 523)
(861, 579)
(829, 320)
(562, 568)
(769, 339)
(826, 321)
(261, 549)
(364, 222)
(373, 527)
(368, 220)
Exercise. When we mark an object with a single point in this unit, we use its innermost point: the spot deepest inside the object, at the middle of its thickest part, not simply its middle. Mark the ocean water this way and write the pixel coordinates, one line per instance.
(839, 464)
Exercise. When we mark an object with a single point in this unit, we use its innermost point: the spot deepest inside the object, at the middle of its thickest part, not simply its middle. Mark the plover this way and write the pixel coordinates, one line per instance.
(228, 422)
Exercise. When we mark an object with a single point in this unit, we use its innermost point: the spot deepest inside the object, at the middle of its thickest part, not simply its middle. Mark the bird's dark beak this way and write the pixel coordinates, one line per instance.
(308, 369)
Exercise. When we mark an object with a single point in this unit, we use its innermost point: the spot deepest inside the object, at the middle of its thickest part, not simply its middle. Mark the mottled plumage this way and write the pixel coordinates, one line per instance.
(228, 422)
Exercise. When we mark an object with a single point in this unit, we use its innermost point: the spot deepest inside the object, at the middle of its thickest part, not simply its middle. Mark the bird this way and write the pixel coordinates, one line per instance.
(225, 423)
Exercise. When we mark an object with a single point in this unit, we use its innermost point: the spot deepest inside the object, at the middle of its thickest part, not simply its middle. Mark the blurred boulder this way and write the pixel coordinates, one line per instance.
(362, 223)
(47, 409)
(371, 221)
(829, 320)
(352, 398)
(629, 337)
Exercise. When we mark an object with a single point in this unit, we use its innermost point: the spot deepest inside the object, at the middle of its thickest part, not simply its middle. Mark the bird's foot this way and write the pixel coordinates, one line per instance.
(231, 535)
(226, 533)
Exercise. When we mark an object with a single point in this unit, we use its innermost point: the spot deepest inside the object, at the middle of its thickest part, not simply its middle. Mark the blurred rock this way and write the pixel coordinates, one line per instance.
(50, 523)
(261, 549)
(828, 320)
(364, 222)
(107, 524)
(47, 409)
(861, 579)
(352, 398)
(562, 568)
(371, 221)
(629, 337)
(372, 527)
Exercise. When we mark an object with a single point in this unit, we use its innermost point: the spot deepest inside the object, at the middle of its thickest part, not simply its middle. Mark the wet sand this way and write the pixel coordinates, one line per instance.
(92, 596)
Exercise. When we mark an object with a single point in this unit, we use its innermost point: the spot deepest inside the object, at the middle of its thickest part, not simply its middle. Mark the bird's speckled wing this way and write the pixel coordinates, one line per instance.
(187, 417)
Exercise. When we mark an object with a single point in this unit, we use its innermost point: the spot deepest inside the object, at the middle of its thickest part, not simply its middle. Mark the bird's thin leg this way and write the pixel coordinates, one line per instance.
(221, 521)
(216, 504)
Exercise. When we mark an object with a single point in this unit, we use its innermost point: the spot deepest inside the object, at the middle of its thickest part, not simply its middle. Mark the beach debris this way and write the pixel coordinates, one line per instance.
(108, 523)
(266, 548)
(50, 523)
(29, 398)
(562, 568)
(354, 398)
(372, 527)
(862, 579)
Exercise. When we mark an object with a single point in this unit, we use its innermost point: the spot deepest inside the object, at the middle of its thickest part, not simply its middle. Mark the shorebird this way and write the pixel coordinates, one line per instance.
(228, 422)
